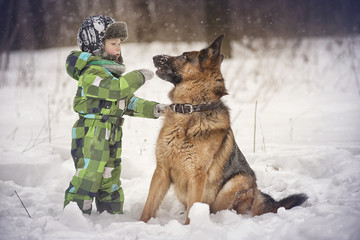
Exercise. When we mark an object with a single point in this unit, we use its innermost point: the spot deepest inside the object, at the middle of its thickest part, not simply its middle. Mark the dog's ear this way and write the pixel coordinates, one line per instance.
(213, 52)
(215, 46)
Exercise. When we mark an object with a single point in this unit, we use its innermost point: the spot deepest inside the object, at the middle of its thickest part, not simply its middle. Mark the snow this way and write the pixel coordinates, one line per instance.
(307, 141)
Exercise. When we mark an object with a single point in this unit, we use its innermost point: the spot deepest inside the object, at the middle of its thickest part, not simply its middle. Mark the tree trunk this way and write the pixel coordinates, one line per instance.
(217, 22)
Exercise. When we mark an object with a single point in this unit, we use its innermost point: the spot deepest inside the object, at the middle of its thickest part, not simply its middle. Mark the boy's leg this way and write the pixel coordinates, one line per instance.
(84, 202)
(90, 152)
(110, 196)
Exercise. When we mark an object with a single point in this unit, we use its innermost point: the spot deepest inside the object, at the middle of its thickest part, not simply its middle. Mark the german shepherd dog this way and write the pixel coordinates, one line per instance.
(196, 150)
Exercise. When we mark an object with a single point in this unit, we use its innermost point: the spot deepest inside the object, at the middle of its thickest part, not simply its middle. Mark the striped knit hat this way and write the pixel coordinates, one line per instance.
(95, 29)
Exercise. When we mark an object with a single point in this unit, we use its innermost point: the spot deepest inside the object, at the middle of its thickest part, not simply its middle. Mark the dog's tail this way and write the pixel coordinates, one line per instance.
(263, 203)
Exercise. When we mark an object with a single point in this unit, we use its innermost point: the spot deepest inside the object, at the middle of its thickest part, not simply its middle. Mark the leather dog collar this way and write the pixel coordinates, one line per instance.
(188, 108)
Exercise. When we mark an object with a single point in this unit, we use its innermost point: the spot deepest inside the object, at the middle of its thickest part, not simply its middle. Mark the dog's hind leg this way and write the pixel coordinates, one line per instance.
(237, 193)
(159, 186)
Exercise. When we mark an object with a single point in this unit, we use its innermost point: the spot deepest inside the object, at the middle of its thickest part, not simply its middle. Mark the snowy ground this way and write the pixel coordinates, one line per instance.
(307, 141)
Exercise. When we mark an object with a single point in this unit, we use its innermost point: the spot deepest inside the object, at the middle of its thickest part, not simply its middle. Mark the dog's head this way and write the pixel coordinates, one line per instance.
(200, 67)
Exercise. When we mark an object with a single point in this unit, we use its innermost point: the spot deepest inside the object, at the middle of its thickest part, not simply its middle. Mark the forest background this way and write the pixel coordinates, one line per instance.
(39, 24)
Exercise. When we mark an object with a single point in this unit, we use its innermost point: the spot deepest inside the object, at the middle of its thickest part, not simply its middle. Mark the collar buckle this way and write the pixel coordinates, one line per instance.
(188, 106)
(182, 108)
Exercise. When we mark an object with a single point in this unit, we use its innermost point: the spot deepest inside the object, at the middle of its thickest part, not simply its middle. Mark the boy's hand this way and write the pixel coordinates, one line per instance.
(148, 74)
(159, 109)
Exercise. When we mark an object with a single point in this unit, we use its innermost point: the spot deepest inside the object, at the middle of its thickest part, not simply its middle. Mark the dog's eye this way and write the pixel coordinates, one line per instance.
(185, 57)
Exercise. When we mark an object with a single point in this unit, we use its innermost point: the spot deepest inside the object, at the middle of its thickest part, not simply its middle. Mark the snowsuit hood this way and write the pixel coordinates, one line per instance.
(77, 62)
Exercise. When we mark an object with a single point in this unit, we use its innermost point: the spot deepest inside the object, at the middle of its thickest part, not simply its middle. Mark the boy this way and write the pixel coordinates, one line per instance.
(103, 97)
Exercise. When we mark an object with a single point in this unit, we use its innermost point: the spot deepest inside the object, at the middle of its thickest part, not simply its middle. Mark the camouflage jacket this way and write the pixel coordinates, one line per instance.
(100, 93)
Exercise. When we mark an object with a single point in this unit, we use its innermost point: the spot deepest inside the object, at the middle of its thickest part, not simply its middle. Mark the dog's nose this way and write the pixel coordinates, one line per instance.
(162, 59)
(157, 57)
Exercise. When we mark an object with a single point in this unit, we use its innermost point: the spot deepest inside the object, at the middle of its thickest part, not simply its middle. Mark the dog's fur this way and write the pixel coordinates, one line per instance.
(197, 151)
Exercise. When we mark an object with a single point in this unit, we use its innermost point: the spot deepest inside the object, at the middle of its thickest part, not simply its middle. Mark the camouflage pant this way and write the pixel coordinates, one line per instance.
(96, 151)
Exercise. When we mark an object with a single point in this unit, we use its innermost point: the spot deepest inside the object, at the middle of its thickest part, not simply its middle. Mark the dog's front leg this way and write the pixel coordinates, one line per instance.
(196, 187)
(159, 186)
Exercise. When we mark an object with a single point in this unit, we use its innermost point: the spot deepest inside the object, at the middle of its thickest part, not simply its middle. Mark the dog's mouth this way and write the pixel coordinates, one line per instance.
(161, 72)
(164, 69)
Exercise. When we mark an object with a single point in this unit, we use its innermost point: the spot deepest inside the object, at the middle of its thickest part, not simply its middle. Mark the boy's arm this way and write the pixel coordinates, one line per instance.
(98, 83)
(139, 107)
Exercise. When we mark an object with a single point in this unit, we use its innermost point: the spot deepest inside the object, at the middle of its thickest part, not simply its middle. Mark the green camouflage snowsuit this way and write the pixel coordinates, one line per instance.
(101, 101)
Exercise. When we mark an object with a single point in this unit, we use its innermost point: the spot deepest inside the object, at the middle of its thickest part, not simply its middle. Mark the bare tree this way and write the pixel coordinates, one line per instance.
(144, 30)
(8, 31)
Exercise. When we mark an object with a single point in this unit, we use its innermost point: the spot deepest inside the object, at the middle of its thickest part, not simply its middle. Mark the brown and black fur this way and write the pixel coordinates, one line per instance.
(197, 152)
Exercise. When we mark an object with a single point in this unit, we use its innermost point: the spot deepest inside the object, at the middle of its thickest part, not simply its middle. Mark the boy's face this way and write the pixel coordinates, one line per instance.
(112, 47)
